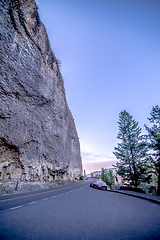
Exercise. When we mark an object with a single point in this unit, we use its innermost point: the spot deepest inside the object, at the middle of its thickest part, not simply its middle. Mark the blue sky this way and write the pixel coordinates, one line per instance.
(110, 54)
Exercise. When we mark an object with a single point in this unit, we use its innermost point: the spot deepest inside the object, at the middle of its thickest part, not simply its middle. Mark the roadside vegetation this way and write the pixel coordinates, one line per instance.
(108, 177)
(138, 154)
(25, 186)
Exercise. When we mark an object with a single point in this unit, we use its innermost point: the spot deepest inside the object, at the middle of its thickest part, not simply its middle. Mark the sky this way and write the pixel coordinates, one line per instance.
(110, 57)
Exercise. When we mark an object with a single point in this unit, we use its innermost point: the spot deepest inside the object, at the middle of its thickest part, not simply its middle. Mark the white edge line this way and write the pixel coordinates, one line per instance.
(16, 207)
(32, 203)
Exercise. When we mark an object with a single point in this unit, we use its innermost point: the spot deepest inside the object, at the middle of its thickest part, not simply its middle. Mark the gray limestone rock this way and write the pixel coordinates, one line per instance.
(38, 138)
(100, 184)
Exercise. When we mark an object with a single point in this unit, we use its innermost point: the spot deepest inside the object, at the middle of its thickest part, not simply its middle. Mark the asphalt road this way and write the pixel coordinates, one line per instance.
(78, 212)
(22, 199)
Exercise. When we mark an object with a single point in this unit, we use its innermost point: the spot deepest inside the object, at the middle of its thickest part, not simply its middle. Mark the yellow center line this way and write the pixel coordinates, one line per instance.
(9, 199)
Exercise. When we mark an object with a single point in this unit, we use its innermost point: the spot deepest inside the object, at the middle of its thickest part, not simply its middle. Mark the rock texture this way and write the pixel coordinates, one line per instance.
(38, 138)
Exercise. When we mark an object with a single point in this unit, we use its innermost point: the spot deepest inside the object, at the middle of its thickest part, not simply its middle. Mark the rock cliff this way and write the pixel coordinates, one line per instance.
(38, 138)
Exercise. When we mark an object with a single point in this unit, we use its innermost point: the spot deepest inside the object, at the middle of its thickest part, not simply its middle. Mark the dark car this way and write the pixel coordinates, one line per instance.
(99, 184)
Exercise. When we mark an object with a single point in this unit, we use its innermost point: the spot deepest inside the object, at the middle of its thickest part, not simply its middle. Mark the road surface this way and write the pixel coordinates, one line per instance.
(77, 211)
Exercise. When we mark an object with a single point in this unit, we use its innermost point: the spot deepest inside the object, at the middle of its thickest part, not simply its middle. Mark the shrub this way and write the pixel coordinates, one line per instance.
(81, 178)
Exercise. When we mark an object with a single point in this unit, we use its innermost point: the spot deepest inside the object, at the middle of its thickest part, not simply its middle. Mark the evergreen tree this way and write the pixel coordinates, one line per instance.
(131, 151)
(111, 178)
(107, 177)
(103, 174)
(154, 141)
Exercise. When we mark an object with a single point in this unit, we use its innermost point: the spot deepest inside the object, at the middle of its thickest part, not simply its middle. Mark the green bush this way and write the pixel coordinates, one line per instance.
(81, 178)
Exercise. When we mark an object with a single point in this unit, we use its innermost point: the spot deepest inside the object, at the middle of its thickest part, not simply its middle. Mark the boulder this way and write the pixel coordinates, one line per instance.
(99, 184)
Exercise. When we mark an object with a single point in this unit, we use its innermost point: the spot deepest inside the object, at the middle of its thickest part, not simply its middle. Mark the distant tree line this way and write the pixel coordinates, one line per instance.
(139, 154)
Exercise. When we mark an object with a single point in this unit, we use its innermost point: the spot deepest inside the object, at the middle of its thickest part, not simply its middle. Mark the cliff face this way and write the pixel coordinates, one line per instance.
(38, 138)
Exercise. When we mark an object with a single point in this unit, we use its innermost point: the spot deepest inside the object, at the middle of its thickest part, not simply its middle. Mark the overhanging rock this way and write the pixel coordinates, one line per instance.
(38, 137)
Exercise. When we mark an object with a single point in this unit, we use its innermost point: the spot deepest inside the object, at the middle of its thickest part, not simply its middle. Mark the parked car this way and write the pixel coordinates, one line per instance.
(99, 184)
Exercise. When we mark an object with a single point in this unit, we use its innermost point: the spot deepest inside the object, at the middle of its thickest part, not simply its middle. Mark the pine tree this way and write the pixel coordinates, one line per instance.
(131, 151)
(103, 174)
(108, 177)
(154, 141)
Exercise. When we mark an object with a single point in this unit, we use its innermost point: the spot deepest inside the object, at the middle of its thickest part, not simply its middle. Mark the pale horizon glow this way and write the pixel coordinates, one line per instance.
(110, 54)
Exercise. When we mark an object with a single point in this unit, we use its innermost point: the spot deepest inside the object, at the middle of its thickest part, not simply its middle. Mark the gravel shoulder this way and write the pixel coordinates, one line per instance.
(13, 188)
